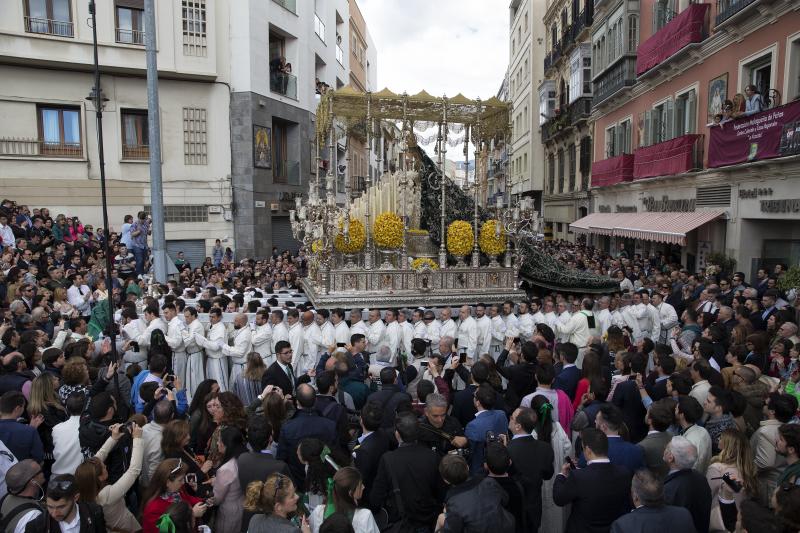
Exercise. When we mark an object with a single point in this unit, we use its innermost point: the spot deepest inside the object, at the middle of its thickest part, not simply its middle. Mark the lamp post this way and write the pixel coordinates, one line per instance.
(99, 100)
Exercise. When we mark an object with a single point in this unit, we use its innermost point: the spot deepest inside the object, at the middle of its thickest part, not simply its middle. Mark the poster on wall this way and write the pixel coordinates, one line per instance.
(765, 135)
(717, 93)
(262, 147)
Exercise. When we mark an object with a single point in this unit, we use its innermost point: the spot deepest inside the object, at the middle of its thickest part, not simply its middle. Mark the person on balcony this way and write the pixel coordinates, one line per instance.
(754, 102)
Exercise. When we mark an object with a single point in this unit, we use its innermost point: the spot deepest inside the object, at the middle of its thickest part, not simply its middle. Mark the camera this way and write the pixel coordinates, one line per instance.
(491, 436)
(134, 346)
(423, 364)
(462, 358)
(127, 427)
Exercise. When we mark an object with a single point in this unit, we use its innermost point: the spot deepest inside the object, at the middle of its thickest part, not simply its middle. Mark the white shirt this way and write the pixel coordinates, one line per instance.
(420, 331)
(668, 317)
(393, 338)
(654, 319)
(626, 318)
(407, 336)
(76, 297)
(342, 333)
(603, 318)
(576, 330)
(262, 340)
(498, 331)
(242, 345)
(156, 323)
(467, 336)
(512, 325)
(433, 332)
(639, 311)
(67, 446)
(561, 321)
(551, 319)
(312, 340)
(73, 526)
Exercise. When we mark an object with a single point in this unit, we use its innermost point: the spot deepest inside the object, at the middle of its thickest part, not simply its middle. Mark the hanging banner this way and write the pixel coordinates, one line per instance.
(771, 133)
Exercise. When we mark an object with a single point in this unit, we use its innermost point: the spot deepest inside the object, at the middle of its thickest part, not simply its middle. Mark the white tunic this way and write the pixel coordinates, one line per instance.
(526, 324)
(512, 325)
(420, 331)
(562, 320)
(242, 345)
(393, 338)
(312, 342)
(342, 333)
(448, 329)
(328, 337)
(216, 366)
(195, 370)
(359, 327)
(144, 337)
(296, 340)
(498, 337)
(467, 335)
(639, 311)
(433, 332)
(484, 334)
(576, 330)
(551, 319)
(375, 336)
(131, 331)
(669, 319)
(539, 317)
(603, 318)
(279, 333)
(175, 341)
(262, 342)
(654, 320)
(407, 336)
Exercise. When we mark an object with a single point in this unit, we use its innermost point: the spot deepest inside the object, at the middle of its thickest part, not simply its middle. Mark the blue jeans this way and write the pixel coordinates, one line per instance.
(140, 254)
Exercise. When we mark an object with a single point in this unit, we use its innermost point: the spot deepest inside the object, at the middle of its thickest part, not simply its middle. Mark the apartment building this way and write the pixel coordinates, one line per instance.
(48, 133)
(687, 160)
(524, 149)
(497, 160)
(565, 104)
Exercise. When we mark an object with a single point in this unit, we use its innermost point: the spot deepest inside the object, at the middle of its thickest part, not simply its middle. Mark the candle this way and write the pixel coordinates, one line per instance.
(499, 202)
(291, 215)
(297, 202)
(516, 213)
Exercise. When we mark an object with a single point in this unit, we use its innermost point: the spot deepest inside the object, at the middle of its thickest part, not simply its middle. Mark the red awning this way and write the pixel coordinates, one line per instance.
(667, 227)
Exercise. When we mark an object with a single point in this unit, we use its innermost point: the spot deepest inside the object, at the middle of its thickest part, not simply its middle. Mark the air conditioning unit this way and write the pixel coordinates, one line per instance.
(275, 206)
(214, 209)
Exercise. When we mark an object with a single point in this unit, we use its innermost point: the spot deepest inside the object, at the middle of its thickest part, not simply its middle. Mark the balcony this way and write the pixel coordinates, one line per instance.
(613, 170)
(621, 74)
(728, 9)
(552, 58)
(675, 156)
(130, 36)
(59, 28)
(284, 84)
(286, 172)
(37, 148)
(138, 152)
(319, 28)
(687, 27)
(289, 5)
(340, 55)
(555, 126)
(579, 110)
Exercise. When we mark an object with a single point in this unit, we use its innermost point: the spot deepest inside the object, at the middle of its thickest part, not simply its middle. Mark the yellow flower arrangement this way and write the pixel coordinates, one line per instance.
(388, 230)
(420, 262)
(488, 240)
(357, 237)
(460, 238)
(316, 246)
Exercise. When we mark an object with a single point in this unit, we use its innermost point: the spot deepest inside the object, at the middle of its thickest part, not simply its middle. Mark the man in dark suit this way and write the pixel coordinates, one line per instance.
(599, 493)
(665, 366)
(567, 379)
(258, 464)
(650, 514)
(414, 469)
(629, 400)
(372, 444)
(463, 401)
(521, 375)
(660, 417)
(306, 423)
(280, 373)
(620, 452)
(684, 486)
(531, 462)
(389, 397)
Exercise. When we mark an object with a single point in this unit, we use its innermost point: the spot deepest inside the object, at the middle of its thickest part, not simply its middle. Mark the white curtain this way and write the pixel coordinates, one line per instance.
(72, 134)
(50, 128)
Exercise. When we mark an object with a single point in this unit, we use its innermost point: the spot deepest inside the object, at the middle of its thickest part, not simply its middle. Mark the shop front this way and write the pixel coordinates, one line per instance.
(767, 224)
(560, 213)
(651, 221)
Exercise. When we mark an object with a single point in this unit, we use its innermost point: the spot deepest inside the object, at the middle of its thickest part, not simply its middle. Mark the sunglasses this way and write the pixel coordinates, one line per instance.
(62, 485)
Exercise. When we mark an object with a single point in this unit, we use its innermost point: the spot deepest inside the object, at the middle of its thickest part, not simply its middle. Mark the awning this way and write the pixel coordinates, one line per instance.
(667, 227)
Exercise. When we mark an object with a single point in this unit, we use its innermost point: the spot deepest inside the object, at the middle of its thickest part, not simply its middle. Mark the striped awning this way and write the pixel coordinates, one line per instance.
(666, 227)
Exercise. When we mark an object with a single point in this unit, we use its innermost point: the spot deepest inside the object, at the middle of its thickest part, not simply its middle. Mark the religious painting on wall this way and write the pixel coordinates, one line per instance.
(262, 147)
(717, 93)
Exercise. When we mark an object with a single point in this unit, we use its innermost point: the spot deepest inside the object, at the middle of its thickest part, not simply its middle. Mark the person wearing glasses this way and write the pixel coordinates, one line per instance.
(275, 500)
(167, 486)
(65, 512)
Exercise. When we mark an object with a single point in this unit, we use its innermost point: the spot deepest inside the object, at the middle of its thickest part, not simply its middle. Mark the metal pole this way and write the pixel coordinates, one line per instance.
(159, 253)
(368, 253)
(98, 107)
(443, 159)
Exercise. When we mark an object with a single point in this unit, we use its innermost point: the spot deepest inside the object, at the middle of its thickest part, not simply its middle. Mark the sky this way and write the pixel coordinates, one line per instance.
(443, 46)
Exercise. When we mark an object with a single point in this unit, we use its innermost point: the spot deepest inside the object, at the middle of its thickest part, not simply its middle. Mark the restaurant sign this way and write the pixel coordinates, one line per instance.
(665, 204)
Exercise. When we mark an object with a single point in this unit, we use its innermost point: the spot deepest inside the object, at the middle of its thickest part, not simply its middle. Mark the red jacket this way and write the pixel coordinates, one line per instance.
(158, 506)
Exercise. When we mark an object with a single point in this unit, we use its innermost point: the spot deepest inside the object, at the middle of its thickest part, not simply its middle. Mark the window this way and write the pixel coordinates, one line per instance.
(580, 74)
(586, 161)
(280, 146)
(559, 227)
(547, 100)
(686, 113)
(130, 21)
(194, 28)
(611, 149)
(658, 123)
(51, 17)
(793, 73)
(182, 213)
(551, 173)
(513, 46)
(319, 28)
(663, 12)
(135, 143)
(524, 162)
(572, 154)
(195, 150)
(618, 139)
(633, 33)
(759, 73)
(60, 131)
(561, 171)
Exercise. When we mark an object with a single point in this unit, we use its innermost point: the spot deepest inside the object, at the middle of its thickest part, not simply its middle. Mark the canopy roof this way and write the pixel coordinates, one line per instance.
(350, 105)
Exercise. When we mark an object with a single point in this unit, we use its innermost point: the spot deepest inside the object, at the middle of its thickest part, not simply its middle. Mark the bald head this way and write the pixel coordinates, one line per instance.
(446, 313)
(308, 318)
(240, 320)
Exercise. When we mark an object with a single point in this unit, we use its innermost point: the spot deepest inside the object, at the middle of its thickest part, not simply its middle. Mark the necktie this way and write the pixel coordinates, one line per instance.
(290, 373)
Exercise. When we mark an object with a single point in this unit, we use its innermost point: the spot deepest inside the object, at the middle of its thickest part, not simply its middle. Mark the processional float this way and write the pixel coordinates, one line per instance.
(430, 244)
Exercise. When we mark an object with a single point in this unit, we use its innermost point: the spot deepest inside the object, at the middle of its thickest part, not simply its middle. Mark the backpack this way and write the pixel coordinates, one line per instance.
(7, 460)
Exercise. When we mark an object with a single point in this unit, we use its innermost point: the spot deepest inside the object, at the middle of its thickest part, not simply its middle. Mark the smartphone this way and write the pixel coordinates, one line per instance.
(340, 345)
(423, 364)
(191, 478)
(571, 463)
(462, 358)
(134, 346)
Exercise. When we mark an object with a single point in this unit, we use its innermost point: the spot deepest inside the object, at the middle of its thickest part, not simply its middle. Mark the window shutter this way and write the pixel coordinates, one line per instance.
(619, 146)
(691, 126)
(680, 116)
(669, 111)
(656, 15)
(133, 4)
(649, 120)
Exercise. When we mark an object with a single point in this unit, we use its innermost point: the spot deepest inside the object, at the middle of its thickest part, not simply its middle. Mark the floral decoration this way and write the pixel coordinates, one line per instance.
(358, 237)
(488, 240)
(316, 246)
(420, 262)
(388, 230)
(460, 238)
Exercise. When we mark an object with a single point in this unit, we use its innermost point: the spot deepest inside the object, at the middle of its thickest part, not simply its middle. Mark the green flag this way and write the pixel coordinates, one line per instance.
(100, 320)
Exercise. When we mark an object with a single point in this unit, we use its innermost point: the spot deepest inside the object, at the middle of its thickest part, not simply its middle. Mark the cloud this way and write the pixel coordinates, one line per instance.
(443, 46)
